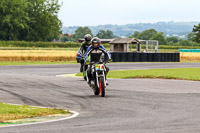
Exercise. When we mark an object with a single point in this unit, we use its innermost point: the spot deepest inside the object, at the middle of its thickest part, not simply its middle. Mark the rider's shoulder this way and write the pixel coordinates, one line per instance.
(101, 46)
(83, 43)
(90, 47)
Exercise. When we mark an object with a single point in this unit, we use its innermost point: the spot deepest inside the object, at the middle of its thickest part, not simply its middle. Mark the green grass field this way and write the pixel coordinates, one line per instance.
(176, 73)
(13, 112)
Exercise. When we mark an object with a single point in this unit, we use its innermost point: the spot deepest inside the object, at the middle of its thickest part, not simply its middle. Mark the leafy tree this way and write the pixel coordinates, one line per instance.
(172, 39)
(13, 19)
(135, 35)
(81, 32)
(185, 43)
(105, 34)
(196, 29)
(31, 20)
(160, 37)
(44, 24)
(190, 36)
(150, 34)
(147, 34)
(64, 39)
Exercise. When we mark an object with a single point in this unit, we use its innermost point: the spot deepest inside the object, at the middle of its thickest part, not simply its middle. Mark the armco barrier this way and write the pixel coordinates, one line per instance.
(145, 57)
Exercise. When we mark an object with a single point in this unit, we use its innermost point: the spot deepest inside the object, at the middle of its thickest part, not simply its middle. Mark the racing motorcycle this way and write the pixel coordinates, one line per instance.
(98, 77)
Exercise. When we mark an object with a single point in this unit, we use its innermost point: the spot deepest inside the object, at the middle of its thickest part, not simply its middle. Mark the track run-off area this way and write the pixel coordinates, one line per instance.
(130, 105)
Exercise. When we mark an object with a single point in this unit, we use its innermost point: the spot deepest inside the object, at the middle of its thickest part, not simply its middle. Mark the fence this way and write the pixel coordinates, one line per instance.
(145, 57)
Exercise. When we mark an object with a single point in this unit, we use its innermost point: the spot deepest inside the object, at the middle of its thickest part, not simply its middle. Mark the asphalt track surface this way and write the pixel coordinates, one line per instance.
(130, 105)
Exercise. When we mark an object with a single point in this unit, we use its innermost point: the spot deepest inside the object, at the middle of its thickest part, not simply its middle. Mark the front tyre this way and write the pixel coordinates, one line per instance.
(96, 91)
(102, 86)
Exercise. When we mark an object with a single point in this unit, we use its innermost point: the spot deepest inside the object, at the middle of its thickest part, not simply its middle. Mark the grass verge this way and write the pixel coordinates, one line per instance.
(3, 63)
(13, 112)
(175, 73)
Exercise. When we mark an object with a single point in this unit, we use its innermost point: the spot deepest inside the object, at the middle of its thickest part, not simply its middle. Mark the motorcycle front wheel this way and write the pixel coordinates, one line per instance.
(102, 86)
(96, 91)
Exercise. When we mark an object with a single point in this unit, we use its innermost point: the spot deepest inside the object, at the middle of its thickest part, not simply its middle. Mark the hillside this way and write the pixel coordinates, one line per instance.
(180, 29)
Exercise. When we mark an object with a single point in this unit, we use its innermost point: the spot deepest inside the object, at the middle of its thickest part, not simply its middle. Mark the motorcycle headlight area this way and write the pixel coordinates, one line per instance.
(99, 67)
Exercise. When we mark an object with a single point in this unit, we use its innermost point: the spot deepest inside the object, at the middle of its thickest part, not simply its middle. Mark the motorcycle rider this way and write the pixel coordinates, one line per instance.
(84, 47)
(95, 50)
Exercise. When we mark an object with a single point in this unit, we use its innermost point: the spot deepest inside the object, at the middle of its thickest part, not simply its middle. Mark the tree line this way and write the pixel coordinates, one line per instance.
(29, 20)
(82, 31)
(193, 38)
(169, 28)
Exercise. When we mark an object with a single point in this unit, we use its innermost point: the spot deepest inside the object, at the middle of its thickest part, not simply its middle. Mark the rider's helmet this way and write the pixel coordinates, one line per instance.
(95, 42)
(87, 38)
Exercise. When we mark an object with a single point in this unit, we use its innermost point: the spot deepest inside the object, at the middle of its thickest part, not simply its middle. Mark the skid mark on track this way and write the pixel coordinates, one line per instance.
(75, 100)
(26, 100)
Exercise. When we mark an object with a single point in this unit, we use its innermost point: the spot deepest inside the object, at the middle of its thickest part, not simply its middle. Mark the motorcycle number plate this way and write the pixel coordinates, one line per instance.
(99, 67)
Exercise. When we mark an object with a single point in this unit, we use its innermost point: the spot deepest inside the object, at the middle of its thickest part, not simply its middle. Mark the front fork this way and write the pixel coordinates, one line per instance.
(97, 79)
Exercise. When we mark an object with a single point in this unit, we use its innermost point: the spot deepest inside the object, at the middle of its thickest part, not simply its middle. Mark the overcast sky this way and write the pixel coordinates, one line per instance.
(100, 12)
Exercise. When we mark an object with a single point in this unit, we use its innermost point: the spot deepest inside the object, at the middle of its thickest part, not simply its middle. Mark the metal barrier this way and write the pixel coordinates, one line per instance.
(145, 57)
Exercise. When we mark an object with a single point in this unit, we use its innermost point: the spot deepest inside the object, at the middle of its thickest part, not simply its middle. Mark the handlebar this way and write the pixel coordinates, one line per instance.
(99, 62)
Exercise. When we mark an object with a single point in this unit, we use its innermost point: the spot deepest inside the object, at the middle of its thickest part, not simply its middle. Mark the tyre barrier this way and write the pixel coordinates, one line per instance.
(123, 57)
(150, 57)
(144, 57)
(129, 57)
(136, 57)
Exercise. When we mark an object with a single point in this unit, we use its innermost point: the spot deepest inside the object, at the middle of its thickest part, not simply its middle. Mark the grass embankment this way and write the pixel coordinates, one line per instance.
(176, 73)
(13, 112)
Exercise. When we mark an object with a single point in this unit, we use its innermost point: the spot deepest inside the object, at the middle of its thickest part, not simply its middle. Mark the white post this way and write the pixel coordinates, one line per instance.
(147, 45)
(156, 46)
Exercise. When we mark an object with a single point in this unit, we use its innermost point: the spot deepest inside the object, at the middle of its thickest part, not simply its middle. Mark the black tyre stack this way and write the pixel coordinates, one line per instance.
(145, 57)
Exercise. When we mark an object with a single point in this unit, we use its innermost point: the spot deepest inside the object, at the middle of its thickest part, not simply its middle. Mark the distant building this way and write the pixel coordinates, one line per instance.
(66, 34)
(122, 44)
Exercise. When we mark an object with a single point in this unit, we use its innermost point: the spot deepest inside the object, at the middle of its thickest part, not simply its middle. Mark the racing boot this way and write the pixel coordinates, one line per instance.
(92, 84)
(107, 82)
(81, 69)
